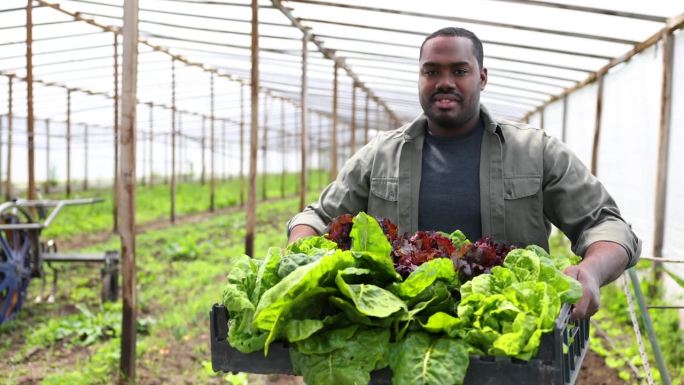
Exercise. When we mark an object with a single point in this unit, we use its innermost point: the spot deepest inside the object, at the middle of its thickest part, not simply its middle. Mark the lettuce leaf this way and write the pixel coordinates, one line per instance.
(423, 359)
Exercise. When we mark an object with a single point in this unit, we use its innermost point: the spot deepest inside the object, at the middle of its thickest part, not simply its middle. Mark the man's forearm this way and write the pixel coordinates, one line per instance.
(605, 261)
(301, 231)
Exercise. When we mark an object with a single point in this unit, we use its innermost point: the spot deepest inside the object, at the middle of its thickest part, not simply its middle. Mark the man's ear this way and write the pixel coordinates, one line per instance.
(483, 78)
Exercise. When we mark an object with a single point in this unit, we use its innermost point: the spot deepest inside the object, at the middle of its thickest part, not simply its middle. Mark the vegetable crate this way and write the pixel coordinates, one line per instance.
(557, 363)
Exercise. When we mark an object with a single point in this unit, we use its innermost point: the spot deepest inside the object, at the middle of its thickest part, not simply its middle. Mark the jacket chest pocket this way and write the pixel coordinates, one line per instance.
(382, 200)
(524, 216)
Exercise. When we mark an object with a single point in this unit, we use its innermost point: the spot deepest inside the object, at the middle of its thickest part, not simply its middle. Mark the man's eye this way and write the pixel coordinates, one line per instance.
(461, 72)
(429, 73)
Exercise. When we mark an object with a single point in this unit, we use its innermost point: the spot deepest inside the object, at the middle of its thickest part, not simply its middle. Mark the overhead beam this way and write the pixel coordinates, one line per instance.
(600, 11)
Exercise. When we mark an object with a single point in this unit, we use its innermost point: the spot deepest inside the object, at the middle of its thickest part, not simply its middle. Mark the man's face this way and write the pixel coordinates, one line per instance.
(450, 81)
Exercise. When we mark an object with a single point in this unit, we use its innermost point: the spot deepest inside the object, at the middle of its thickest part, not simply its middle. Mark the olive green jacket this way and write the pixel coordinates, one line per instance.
(528, 181)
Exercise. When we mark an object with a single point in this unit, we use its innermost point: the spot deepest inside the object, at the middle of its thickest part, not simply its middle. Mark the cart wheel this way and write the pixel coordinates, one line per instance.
(110, 277)
(18, 257)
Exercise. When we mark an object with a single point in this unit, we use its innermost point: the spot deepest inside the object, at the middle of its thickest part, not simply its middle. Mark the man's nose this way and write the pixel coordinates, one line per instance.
(445, 81)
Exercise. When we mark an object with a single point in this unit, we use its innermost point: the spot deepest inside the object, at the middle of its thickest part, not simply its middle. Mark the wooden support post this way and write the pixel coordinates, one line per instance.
(264, 153)
(115, 202)
(179, 146)
(85, 157)
(46, 188)
(212, 151)
(663, 155)
(303, 175)
(564, 127)
(242, 145)
(1, 152)
(353, 120)
(173, 141)
(10, 125)
(68, 140)
(254, 140)
(283, 148)
(597, 124)
(127, 191)
(333, 145)
(541, 118)
(365, 123)
(29, 101)
(141, 140)
(224, 153)
(151, 144)
(203, 144)
(320, 151)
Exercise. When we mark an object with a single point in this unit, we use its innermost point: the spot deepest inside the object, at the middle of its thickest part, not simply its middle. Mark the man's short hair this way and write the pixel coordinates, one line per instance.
(461, 32)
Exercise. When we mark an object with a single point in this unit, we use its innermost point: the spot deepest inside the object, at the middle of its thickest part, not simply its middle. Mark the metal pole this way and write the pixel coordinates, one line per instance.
(297, 117)
(10, 124)
(365, 123)
(648, 325)
(85, 157)
(127, 193)
(212, 183)
(254, 140)
(151, 144)
(68, 139)
(115, 203)
(264, 154)
(173, 140)
(333, 145)
(283, 144)
(203, 143)
(663, 156)
(29, 100)
(242, 145)
(47, 156)
(353, 120)
(0, 152)
(303, 175)
(597, 126)
(141, 139)
(179, 129)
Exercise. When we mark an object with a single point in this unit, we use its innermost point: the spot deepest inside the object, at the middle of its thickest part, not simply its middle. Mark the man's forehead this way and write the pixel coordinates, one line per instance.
(441, 48)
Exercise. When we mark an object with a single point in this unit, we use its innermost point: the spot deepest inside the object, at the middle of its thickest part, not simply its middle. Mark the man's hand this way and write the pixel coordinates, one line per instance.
(603, 263)
(588, 305)
(300, 231)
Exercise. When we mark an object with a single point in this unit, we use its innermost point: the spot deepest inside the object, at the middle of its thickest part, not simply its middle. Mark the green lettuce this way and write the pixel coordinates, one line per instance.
(428, 360)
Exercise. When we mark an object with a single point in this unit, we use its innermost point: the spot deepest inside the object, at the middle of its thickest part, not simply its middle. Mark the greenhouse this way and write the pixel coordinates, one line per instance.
(161, 162)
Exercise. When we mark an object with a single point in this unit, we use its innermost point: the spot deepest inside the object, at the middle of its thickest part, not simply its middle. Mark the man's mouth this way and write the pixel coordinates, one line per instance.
(443, 101)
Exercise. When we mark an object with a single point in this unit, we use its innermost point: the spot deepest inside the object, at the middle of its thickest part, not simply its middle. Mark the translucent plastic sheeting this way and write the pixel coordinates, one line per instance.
(674, 216)
(628, 147)
(553, 119)
(581, 121)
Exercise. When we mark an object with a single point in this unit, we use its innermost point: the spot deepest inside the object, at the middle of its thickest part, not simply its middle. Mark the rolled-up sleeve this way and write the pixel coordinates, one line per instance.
(347, 194)
(579, 205)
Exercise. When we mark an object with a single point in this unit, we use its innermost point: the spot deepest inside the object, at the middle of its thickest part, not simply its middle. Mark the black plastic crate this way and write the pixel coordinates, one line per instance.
(552, 366)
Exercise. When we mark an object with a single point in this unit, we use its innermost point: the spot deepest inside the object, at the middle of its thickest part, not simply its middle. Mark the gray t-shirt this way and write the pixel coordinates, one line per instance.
(450, 184)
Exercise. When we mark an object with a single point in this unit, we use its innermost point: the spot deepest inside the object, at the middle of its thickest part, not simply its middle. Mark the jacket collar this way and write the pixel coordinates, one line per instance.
(418, 126)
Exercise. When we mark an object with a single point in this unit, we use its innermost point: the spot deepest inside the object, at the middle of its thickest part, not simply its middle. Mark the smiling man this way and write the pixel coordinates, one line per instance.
(458, 167)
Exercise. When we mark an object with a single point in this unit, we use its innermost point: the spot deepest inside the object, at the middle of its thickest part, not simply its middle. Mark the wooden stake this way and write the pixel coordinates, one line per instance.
(212, 182)
(353, 120)
(115, 226)
(85, 157)
(663, 155)
(127, 191)
(29, 100)
(224, 154)
(333, 149)
(10, 125)
(264, 153)
(68, 139)
(203, 144)
(597, 126)
(151, 144)
(303, 178)
(242, 145)
(173, 141)
(365, 125)
(254, 140)
(47, 156)
(283, 149)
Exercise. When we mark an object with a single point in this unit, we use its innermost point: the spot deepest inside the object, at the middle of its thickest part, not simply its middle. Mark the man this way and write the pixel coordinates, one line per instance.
(456, 167)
